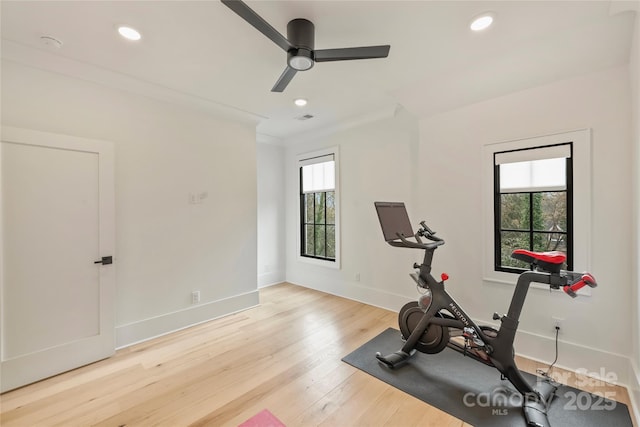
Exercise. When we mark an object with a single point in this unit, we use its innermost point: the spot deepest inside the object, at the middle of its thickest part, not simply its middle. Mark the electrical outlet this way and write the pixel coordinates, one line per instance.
(195, 297)
(557, 323)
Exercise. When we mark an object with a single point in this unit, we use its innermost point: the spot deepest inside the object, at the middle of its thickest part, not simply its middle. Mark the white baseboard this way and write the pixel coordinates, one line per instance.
(357, 292)
(272, 278)
(272, 284)
(594, 362)
(147, 329)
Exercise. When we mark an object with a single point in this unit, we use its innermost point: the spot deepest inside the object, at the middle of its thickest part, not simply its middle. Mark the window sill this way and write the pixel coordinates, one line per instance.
(320, 262)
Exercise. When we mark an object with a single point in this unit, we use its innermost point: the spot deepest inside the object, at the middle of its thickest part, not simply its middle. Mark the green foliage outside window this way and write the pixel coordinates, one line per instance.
(320, 225)
(532, 220)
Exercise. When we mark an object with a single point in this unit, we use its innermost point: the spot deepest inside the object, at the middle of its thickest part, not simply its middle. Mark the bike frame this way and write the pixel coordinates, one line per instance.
(501, 346)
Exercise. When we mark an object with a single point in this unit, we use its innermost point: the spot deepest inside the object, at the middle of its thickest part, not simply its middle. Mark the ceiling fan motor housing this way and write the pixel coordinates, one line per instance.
(301, 34)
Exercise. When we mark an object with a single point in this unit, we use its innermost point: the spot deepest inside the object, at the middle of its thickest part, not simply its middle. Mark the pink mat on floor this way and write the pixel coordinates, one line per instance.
(263, 418)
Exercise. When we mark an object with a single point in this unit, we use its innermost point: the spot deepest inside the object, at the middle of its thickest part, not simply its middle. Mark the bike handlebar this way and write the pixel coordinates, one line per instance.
(426, 228)
(426, 232)
(586, 280)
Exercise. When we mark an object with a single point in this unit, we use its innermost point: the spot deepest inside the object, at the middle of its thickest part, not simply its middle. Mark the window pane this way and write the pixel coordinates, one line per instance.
(536, 211)
(308, 208)
(539, 242)
(331, 207)
(331, 241)
(558, 242)
(319, 214)
(310, 240)
(514, 211)
(320, 233)
(553, 211)
(511, 240)
(543, 242)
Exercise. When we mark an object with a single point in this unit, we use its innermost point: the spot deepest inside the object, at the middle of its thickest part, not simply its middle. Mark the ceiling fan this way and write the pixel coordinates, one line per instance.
(299, 44)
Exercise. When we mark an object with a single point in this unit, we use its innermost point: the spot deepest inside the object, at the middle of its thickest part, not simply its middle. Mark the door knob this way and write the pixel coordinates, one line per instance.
(105, 260)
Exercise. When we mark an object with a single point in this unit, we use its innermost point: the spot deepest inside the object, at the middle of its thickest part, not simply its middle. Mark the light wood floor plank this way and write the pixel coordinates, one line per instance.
(284, 355)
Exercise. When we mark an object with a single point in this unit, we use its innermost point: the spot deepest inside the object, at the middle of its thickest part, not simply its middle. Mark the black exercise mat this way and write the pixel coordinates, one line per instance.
(474, 392)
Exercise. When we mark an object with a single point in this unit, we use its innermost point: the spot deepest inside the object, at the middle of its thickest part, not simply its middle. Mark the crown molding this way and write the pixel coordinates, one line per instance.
(262, 138)
(48, 61)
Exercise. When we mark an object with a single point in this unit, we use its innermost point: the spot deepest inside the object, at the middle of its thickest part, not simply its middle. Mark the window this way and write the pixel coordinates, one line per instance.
(318, 207)
(536, 194)
(533, 203)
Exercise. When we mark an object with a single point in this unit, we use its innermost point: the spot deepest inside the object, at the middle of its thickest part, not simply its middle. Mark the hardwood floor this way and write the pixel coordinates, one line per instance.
(283, 356)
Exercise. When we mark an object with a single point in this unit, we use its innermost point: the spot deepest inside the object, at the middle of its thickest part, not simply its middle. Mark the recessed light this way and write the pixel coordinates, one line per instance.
(300, 102)
(129, 33)
(482, 22)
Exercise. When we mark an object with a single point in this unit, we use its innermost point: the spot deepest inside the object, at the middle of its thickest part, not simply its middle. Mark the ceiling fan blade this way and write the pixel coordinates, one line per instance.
(284, 79)
(348, 53)
(246, 13)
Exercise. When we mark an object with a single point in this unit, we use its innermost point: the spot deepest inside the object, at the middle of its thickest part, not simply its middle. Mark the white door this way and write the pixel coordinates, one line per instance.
(57, 220)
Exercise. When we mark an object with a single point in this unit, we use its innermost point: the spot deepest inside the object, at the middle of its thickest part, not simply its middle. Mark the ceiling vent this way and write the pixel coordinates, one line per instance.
(305, 117)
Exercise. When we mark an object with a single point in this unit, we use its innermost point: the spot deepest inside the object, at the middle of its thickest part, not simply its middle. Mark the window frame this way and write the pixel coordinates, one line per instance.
(582, 210)
(497, 200)
(301, 159)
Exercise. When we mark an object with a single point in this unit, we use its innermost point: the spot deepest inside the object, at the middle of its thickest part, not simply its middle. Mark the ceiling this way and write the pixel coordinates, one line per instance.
(201, 53)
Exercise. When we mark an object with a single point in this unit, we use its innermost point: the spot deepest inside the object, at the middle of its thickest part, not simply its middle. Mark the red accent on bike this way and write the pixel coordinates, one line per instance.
(553, 257)
(589, 280)
(571, 290)
(444, 276)
(586, 280)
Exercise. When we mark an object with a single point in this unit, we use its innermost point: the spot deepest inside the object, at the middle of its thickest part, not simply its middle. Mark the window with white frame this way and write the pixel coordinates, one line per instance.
(318, 207)
(537, 196)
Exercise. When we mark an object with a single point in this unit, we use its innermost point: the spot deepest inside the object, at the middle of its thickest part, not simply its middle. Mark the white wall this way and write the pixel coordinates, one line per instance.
(271, 224)
(377, 163)
(165, 247)
(596, 330)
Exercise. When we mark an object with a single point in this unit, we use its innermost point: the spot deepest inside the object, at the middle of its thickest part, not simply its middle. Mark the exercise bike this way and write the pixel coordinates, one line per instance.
(436, 321)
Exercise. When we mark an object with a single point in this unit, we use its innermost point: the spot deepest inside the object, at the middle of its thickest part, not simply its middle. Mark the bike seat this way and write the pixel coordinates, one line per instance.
(548, 261)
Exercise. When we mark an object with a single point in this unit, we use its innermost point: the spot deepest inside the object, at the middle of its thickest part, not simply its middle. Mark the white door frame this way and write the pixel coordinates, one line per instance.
(35, 366)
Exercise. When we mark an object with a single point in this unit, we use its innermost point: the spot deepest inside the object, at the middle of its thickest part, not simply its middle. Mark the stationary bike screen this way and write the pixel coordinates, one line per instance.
(394, 220)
